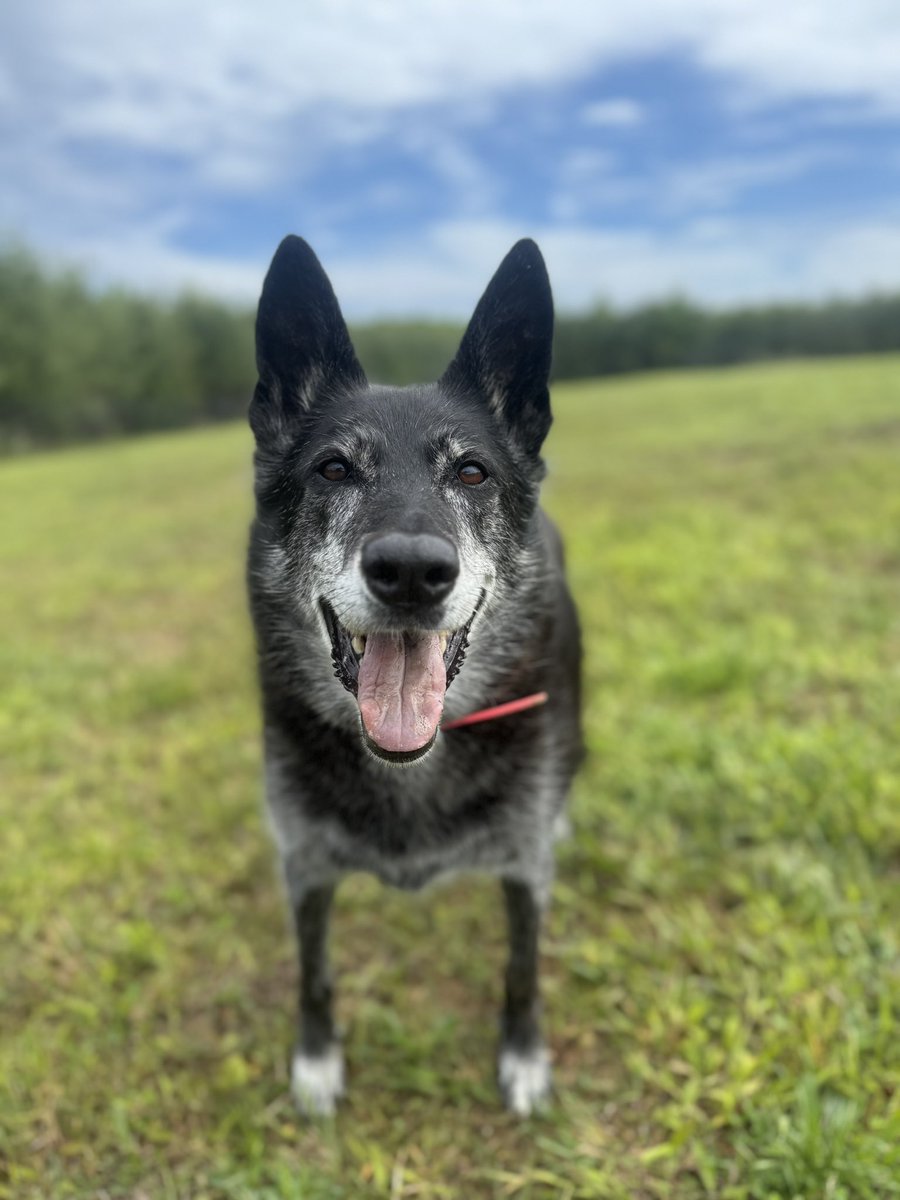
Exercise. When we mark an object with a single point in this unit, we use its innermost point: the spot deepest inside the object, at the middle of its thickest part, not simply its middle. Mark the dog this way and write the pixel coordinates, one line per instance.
(402, 577)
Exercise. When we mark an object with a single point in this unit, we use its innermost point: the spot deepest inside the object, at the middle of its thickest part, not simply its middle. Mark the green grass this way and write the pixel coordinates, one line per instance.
(722, 975)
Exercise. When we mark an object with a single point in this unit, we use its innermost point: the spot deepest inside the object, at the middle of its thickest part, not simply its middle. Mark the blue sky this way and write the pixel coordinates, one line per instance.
(728, 150)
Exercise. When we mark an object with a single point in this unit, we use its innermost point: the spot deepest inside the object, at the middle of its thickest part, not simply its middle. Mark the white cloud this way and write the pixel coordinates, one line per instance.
(196, 78)
(590, 182)
(808, 48)
(717, 182)
(241, 96)
(717, 262)
(619, 113)
(146, 259)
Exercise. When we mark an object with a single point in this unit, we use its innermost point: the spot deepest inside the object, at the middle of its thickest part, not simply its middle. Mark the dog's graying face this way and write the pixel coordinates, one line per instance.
(398, 514)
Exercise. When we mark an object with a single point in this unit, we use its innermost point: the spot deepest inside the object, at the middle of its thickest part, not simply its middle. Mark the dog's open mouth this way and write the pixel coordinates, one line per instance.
(399, 680)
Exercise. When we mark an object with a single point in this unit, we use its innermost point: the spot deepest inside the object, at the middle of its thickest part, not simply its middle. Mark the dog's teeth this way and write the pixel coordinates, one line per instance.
(358, 643)
(442, 642)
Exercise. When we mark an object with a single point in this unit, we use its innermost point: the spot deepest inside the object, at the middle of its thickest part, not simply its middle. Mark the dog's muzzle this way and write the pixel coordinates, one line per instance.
(399, 679)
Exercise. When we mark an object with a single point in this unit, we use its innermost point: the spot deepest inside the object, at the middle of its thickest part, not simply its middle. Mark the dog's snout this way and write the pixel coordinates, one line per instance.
(405, 568)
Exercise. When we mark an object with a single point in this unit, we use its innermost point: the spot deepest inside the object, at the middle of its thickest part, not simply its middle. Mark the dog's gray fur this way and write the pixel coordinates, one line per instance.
(483, 798)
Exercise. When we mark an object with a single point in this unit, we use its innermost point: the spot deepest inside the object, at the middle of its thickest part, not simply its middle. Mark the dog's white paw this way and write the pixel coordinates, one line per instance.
(317, 1082)
(524, 1079)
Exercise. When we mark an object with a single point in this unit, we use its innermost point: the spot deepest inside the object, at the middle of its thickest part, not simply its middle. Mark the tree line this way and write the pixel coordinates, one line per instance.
(76, 364)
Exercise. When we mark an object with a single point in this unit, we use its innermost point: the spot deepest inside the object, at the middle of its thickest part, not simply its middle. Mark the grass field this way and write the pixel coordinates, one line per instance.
(722, 964)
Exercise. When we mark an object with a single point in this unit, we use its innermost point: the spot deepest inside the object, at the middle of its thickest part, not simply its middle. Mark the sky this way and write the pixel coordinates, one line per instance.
(730, 151)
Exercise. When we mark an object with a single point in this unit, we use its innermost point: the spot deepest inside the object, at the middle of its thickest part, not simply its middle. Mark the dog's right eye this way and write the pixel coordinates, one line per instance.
(334, 470)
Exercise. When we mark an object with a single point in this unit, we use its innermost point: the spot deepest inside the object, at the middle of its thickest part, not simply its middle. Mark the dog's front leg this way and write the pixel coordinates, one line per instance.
(524, 1064)
(317, 1070)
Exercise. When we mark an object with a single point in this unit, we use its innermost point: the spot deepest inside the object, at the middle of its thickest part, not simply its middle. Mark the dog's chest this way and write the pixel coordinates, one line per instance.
(482, 849)
(474, 805)
(406, 841)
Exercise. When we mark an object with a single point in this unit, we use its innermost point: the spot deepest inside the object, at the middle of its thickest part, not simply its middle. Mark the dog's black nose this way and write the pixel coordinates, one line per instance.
(410, 568)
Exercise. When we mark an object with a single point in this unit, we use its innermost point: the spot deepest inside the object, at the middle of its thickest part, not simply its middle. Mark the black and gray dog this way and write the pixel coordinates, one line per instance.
(398, 549)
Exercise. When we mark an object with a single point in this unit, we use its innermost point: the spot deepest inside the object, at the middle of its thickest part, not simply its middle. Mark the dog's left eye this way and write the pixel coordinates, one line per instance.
(471, 473)
(334, 470)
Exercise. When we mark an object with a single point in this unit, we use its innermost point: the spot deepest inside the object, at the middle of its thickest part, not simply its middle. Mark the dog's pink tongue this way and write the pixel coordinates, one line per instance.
(401, 688)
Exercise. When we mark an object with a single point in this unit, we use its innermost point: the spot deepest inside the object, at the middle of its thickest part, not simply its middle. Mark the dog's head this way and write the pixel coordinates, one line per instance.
(401, 512)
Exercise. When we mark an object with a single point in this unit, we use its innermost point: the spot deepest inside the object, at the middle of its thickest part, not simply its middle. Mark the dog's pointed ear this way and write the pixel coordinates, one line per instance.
(303, 347)
(505, 351)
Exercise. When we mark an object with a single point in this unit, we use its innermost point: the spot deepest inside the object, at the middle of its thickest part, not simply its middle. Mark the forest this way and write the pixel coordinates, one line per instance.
(78, 364)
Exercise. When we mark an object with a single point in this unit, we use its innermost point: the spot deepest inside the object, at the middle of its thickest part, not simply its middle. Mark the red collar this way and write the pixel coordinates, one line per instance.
(499, 710)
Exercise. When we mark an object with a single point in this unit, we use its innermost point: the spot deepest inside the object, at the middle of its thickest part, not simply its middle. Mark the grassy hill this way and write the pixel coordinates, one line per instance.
(722, 966)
